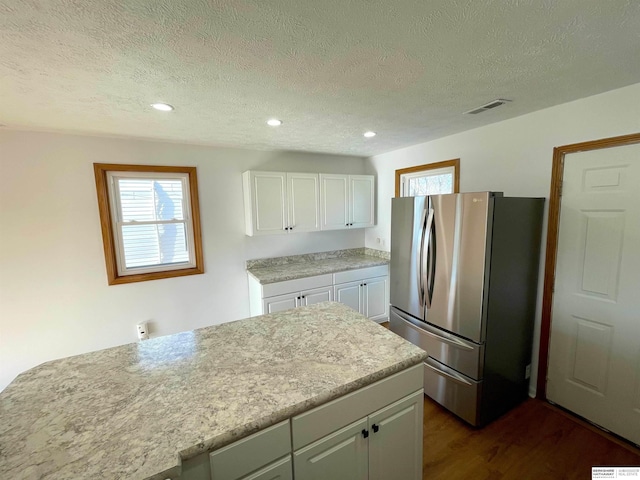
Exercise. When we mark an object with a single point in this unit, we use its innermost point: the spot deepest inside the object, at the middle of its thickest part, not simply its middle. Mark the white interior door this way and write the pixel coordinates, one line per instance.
(594, 356)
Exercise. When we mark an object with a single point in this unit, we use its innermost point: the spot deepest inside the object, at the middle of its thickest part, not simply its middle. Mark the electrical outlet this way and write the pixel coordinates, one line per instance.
(143, 332)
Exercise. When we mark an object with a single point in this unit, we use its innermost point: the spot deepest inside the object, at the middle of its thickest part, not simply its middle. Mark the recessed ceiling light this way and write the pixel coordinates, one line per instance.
(369, 134)
(163, 107)
(274, 122)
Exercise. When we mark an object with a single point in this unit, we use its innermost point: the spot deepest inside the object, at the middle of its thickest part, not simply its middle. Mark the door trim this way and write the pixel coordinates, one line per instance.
(557, 173)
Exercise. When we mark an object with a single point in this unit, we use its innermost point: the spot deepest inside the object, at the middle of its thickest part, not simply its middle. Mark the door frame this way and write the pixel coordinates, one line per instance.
(557, 174)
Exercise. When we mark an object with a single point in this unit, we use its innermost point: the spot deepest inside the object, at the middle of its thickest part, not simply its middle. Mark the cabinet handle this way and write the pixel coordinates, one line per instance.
(346, 224)
(375, 428)
(302, 296)
(364, 284)
(365, 433)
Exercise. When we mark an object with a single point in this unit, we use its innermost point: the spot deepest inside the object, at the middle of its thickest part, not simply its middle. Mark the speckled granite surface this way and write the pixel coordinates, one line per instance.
(132, 412)
(280, 269)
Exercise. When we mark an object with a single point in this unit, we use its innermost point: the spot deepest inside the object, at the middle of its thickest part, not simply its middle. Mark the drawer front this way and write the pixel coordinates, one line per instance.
(251, 453)
(360, 274)
(452, 390)
(464, 356)
(297, 285)
(331, 416)
(279, 470)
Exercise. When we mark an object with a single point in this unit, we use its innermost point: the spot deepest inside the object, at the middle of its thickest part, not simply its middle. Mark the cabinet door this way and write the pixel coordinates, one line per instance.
(376, 299)
(339, 456)
(361, 201)
(324, 294)
(280, 470)
(280, 303)
(269, 214)
(395, 440)
(334, 197)
(303, 192)
(350, 294)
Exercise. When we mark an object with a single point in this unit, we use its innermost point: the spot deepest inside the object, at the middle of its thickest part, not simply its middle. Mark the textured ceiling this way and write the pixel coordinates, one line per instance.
(330, 69)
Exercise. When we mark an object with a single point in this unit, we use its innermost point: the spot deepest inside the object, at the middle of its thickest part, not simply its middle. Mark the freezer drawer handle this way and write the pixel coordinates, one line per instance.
(450, 341)
(450, 376)
(426, 329)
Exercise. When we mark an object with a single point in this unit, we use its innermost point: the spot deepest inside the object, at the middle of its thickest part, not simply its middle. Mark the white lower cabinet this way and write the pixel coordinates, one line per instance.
(297, 299)
(366, 291)
(385, 445)
(280, 470)
(341, 455)
(374, 433)
(395, 440)
(263, 455)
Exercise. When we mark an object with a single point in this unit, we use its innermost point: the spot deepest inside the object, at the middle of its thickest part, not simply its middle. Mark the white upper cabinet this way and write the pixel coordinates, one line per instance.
(280, 202)
(361, 201)
(303, 193)
(346, 201)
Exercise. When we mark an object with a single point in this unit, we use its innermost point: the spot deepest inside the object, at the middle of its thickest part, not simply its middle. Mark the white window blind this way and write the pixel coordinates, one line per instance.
(431, 182)
(151, 221)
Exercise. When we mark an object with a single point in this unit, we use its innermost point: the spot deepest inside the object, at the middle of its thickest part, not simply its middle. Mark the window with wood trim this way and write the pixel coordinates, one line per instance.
(150, 220)
(429, 179)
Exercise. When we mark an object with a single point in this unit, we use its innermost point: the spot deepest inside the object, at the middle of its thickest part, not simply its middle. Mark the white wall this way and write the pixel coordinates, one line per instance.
(54, 297)
(513, 156)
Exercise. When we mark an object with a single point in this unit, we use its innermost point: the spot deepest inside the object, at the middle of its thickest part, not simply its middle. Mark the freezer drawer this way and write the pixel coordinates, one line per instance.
(461, 355)
(457, 393)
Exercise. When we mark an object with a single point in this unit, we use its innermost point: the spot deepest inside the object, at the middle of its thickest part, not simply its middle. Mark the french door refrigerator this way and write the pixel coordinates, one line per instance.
(464, 275)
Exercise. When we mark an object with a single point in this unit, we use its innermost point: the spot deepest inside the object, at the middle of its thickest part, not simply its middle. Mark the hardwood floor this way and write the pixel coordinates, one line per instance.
(534, 441)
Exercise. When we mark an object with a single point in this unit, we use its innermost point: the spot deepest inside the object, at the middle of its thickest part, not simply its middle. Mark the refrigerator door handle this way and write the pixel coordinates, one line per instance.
(424, 255)
(431, 261)
(420, 256)
(451, 376)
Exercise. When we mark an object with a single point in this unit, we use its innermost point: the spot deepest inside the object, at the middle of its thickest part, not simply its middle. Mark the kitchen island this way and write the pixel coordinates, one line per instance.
(140, 411)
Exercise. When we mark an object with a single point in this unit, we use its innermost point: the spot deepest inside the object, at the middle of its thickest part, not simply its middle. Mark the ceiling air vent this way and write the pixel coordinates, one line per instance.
(493, 104)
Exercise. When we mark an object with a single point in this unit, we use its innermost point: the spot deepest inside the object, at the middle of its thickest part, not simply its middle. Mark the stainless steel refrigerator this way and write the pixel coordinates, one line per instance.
(464, 275)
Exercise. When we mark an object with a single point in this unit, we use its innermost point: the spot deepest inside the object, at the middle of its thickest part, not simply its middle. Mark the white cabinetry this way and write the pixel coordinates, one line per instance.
(265, 454)
(342, 454)
(385, 444)
(346, 201)
(366, 290)
(279, 202)
(275, 297)
(373, 433)
(303, 298)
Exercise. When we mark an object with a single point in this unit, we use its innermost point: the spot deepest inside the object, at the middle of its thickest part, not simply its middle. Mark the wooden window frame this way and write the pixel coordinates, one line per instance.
(455, 163)
(106, 224)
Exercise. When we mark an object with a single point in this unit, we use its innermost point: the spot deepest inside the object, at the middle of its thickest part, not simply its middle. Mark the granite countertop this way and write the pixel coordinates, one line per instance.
(134, 411)
(299, 266)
